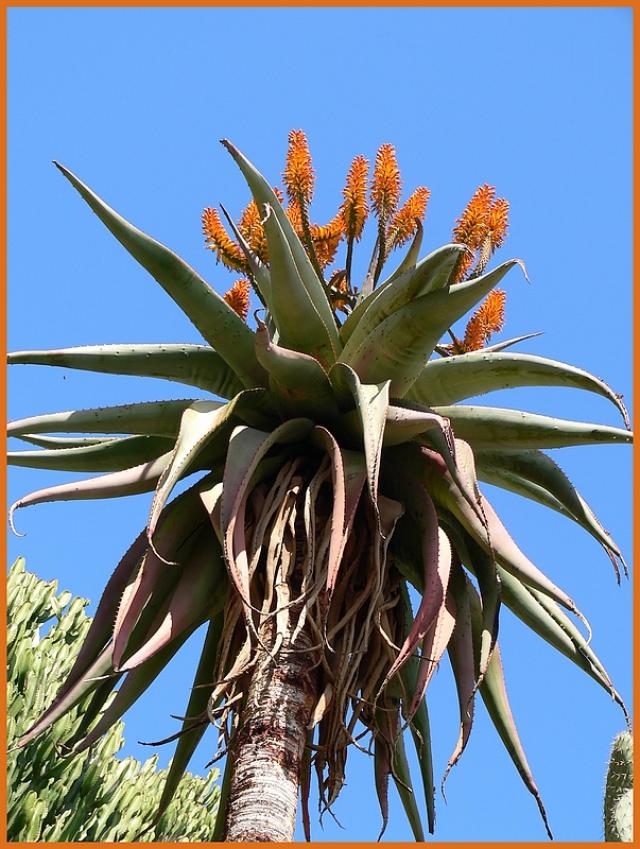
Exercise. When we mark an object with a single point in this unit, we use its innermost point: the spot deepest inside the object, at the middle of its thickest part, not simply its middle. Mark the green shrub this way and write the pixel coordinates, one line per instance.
(94, 796)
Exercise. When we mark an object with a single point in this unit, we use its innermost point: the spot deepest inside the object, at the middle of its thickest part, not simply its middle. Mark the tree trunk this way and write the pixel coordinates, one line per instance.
(268, 747)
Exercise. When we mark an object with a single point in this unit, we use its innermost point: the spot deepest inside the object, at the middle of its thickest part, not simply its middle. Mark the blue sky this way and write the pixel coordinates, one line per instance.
(534, 101)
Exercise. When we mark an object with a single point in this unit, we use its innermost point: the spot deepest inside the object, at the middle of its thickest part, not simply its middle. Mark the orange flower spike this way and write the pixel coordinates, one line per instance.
(295, 217)
(354, 209)
(463, 266)
(496, 232)
(498, 223)
(217, 239)
(238, 297)
(486, 320)
(326, 240)
(471, 227)
(298, 174)
(386, 185)
(251, 227)
(250, 220)
(403, 225)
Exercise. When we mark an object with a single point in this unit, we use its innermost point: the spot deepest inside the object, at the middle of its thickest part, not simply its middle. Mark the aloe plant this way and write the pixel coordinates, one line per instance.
(618, 796)
(340, 470)
(96, 796)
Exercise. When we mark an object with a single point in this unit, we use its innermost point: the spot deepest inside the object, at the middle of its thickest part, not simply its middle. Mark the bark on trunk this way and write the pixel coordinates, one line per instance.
(268, 748)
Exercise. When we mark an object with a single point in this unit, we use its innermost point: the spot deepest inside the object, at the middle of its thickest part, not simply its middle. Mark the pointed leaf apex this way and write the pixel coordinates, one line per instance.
(15, 506)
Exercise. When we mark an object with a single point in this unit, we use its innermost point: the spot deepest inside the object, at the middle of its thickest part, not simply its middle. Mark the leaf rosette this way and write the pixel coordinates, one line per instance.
(340, 473)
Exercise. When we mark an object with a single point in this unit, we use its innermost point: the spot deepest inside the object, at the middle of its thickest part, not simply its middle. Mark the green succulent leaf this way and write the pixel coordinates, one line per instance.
(150, 584)
(403, 424)
(433, 647)
(133, 481)
(489, 533)
(421, 735)
(382, 771)
(146, 418)
(100, 697)
(451, 379)
(494, 696)
(397, 348)
(205, 428)
(199, 424)
(430, 274)
(220, 326)
(402, 778)
(225, 789)
(64, 441)
(264, 195)
(481, 564)
(101, 626)
(259, 272)
(194, 365)
(297, 380)
(461, 656)
(157, 596)
(134, 685)
(583, 644)
(305, 787)
(291, 300)
(372, 403)
(544, 617)
(498, 428)
(105, 456)
(535, 475)
(201, 591)
(439, 442)
(348, 472)
(436, 568)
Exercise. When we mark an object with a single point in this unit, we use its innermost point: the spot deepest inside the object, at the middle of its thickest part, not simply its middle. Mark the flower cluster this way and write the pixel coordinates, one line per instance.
(482, 227)
(485, 321)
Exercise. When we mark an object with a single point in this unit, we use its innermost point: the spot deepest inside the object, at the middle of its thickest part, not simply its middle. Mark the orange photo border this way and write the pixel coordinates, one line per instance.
(8, 4)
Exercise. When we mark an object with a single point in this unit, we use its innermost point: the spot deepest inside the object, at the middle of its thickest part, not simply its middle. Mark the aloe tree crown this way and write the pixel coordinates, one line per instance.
(340, 470)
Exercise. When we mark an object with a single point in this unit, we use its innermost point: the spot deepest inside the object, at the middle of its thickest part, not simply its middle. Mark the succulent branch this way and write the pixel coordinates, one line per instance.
(618, 798)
